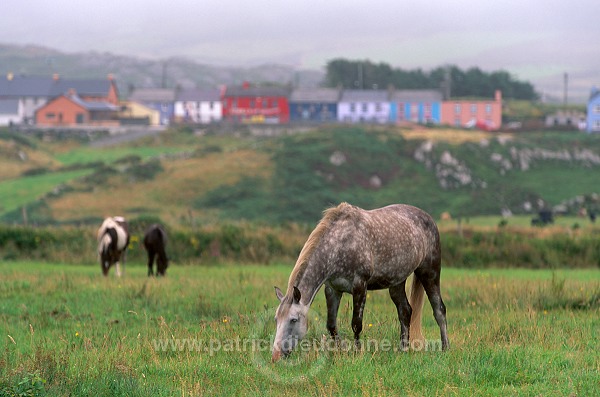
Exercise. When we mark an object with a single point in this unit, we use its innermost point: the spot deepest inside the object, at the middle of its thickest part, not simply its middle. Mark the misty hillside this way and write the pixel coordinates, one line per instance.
(146, 73)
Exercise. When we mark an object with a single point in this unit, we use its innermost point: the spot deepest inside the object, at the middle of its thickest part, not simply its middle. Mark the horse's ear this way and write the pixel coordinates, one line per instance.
(279, 294)
(297, 295)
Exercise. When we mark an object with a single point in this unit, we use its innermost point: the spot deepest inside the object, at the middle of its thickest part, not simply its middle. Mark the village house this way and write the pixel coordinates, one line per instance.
(134, 113)
(416, 106)
(160, 99)
(198, 106)
(70, 109)
(33, 92)
(473, 113)
(314, 105)
(364, 106)
(571, 119)
(248, 104)
(593, 111)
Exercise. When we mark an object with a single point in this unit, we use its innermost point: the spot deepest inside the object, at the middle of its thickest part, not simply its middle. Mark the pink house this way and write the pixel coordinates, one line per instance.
(486, 115)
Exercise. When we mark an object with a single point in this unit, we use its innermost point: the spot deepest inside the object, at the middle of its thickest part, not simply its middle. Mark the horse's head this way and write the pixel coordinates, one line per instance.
(291, 320)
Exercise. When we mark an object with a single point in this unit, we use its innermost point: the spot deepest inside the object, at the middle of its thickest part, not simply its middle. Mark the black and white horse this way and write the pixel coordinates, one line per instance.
(155, 240)
(113, 240)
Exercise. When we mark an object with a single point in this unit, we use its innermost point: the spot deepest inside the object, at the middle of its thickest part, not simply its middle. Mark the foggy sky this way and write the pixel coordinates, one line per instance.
(534, 40)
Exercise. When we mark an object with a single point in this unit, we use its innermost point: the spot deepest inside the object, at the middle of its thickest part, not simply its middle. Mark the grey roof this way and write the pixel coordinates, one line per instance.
(153, 95)
(9, 106)
(417, 96)
(256, 91)
(365, 96)
(199, 95)
(318, 95)
(82, 87)
(25, 86)
(18, 86)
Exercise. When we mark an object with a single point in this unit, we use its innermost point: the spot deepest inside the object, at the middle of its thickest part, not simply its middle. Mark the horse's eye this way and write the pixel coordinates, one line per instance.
(293, 320)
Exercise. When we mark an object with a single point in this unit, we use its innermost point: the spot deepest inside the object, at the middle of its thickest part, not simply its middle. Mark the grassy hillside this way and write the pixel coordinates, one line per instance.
(187, 179)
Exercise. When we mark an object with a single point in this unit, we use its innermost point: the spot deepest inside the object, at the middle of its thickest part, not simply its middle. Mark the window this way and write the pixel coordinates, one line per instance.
(457, 108)
(597, 108)
(364, 107)
(352, 108)
(378, 107)
(79, 118)
(488, 108)
(50, 115)
(473, 109)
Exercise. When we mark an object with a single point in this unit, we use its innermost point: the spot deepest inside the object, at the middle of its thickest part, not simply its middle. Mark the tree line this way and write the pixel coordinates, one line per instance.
(451, 80)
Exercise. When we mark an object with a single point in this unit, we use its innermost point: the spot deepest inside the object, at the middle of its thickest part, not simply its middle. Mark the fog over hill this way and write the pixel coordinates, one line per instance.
(137, 72)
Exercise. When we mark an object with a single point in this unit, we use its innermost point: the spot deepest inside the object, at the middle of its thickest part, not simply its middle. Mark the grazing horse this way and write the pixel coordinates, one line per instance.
(354, 250)
(155, 240)
(113, 240)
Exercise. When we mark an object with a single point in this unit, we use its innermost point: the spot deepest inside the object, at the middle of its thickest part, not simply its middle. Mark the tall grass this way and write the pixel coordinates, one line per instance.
(512, 332)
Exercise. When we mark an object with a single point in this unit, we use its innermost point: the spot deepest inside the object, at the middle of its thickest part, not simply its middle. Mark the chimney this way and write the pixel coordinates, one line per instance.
(55, 77)
(246, 85)
(71, 93)
(498, 96)
(110, 77)
(10, 76)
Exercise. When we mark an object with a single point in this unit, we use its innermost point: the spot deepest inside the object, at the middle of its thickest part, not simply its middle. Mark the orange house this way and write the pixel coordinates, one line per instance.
(71, 110)
(483, 114)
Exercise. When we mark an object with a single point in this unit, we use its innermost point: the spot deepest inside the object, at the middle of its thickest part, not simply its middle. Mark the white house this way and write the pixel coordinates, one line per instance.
(364, 106)
(197, 106)
(11, 111)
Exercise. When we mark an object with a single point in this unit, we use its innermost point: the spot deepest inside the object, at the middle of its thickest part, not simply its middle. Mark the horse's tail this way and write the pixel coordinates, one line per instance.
(417, 295)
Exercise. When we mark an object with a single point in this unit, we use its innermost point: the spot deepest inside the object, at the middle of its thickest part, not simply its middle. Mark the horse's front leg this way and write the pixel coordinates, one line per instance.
(359, 297)
(333, 298)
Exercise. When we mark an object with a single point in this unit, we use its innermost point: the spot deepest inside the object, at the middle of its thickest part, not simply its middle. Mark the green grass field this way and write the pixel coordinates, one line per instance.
(17, 192)
(205, 330)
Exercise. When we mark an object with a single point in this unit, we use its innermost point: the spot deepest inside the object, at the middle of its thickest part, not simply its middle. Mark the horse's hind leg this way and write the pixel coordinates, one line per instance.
(398, 295)
(151, 255)
(333, 298)
(430, 279)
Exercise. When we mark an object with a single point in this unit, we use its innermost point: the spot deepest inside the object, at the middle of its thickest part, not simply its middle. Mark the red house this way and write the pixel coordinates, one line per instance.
(71, 110)
(259, 105)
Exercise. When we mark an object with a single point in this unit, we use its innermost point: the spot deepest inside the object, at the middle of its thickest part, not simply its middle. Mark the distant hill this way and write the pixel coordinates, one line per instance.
(145, 73)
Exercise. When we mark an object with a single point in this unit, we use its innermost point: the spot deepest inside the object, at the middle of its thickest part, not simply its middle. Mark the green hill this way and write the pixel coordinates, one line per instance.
(187, 179)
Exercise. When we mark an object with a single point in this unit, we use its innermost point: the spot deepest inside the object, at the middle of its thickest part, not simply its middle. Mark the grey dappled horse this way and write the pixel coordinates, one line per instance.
(354, 250)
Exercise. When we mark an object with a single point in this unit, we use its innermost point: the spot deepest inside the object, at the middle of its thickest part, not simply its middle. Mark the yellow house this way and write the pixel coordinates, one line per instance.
(137, 113)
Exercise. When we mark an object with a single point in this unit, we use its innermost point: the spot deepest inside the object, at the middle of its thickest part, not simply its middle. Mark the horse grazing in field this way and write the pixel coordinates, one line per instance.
(354, 250)
(113, 240)
(155, 240)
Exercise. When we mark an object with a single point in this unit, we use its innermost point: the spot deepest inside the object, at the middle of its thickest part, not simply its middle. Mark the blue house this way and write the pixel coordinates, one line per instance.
(593, 111)
(314, 105)
(160, 99)
(416, 106)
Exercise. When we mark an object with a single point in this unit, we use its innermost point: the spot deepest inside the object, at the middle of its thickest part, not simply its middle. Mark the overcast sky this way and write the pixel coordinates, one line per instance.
(536, 40)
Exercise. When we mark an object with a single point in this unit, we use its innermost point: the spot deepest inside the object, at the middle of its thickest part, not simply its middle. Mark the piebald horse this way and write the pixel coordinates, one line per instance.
(155, 240)
(354, 250)
(113, 240)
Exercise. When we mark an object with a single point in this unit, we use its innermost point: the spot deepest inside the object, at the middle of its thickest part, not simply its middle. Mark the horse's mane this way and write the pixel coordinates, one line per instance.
(330, 215)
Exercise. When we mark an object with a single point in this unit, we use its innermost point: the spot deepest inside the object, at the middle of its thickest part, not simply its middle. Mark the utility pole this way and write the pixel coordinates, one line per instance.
(566, 88)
